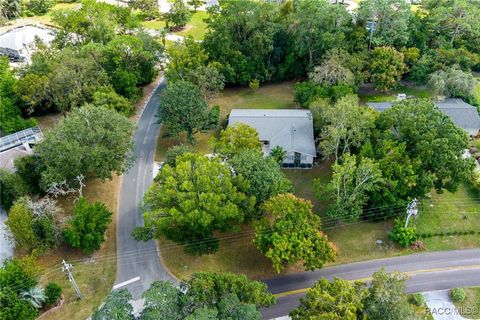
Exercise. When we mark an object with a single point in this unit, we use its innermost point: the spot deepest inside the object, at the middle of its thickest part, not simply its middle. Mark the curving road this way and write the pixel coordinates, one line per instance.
(427, 272)
(138, 264)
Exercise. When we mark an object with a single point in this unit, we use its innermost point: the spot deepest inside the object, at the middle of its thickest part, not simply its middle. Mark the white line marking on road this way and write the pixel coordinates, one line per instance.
(124, 283)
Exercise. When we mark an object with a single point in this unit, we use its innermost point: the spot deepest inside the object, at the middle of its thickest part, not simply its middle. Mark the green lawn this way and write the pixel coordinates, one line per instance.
(470, 307)
(195, 28)
(47, 18)
(377, 96)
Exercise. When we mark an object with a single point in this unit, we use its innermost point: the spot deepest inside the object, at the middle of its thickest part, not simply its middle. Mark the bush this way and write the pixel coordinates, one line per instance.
(418, 245)
(39, 7)
(175, 151)
(29, 170)
(403, 236)
(113, 101)
(52, 293)
(254, 84)
(417, 299)
(458, 295)
(307, 92)
(12, 187)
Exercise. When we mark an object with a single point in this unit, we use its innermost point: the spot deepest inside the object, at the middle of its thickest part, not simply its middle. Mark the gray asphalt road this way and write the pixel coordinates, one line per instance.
(427, 272)
(139, 259)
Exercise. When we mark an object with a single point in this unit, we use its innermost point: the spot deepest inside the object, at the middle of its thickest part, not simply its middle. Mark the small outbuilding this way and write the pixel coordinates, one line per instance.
(291, 129)
(462, 114)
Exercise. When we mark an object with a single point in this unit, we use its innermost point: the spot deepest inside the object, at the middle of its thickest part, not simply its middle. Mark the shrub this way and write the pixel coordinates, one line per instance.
(39, 7)
(254, 84)
(12, 187)
(52, 292)
(175, 151)
(113, 101)
(403, 236)
(417, 299)
(418, 245)
(458, 295)
(307, 92)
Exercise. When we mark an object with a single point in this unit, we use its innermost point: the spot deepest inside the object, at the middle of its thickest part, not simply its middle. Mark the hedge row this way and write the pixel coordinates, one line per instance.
(447, 233)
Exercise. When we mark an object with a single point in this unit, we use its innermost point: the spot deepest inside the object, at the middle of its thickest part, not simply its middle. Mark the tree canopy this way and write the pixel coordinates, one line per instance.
(198, 196)
(235, 139)
(290, 233)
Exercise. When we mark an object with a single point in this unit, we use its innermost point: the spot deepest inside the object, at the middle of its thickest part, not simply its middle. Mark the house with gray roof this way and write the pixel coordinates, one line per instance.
(17, 145)
(288, 128)
(462, 114)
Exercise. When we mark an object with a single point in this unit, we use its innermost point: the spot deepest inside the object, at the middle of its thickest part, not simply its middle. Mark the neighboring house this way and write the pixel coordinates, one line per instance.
(290, 129)
(19, 43)
(462, 114)
(18, 145)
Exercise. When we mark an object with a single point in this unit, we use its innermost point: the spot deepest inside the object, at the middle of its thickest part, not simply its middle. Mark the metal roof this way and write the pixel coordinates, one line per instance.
(288, 128)
(16, 39)
(462, 114)
(30, 136)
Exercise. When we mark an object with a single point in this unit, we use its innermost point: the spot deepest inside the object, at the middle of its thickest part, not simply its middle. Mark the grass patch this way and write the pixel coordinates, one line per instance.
(372, 95)
(47, 18)
(196, 28)
(95, 274)
(470, 307)
(163, 143)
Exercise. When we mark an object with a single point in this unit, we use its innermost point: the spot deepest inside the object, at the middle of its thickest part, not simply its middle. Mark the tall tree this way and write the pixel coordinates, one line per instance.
(431, 137)
(178, 15)
(116, 307)
(391, 20)
(314, 36)
(386, 67)
(452, 82)
(198, 196)
(334, 300)
(196, 4)
(345, 125)
(235, 139)
(20, 225)
(290, 233)
(387, 299)
(351, 183)
(86, 230)
(183, 109)
(90, 141)
(162, 301)
(263, 174)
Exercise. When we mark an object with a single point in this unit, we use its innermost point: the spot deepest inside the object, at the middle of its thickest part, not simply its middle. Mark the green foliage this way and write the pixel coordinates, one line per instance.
(10, 10)
(113, 101)
(116, 307)
(10, 113)
(387, 299)
(39, 7)
(12, 187)
(20, 225)
(162, 301)
(184, 57)
(337, 300)
(176, 151)
(278, 154)
(235, 139)
(209, 79)
(18, 275)
(386, 68)
(351, 183)
(208, 288)
(458, 295)
(432, 138)
(53, 292)
(291, 233)
(418, 299)
(178, 16)
(96, 22)
(332, 72)
(12, 307)
(198, 196)
(241, 38)
(401, 235)
(346, 125)
(183, 109)
(90, 141)
(195, 4)
(129, 61)
(452, 82)
(35, 296)
(28, 168)
(392, 18)
(254, 84)
(148, 8)
(263, 174)
(307, 92)
(86, 229)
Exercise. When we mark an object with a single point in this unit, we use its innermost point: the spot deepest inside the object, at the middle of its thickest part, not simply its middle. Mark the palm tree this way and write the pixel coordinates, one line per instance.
(278, 154)
(36, 296)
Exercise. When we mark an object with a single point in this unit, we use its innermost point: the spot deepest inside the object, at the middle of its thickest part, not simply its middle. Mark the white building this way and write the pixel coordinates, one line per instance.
(19, 43)
(288, 128)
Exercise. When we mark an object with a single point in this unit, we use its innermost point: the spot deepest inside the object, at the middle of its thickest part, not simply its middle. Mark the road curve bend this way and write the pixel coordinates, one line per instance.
(138, 263)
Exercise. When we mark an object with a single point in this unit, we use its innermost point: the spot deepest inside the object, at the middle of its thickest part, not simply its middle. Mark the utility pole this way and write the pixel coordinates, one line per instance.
(412, 210)
(67, 267)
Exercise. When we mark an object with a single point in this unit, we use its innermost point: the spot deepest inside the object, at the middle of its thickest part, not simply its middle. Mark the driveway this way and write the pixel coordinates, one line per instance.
(138, 263)
(441, 306)
(6, 247)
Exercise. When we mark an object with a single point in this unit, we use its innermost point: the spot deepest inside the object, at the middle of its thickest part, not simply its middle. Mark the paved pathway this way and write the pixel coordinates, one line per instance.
(441, 306)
